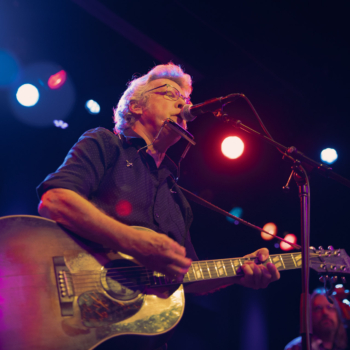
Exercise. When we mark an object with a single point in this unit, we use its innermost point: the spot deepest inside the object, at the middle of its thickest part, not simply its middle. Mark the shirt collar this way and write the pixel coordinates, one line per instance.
(139, 142)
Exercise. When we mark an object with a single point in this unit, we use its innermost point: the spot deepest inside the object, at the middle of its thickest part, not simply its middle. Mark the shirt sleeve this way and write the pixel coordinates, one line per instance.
(85, 164)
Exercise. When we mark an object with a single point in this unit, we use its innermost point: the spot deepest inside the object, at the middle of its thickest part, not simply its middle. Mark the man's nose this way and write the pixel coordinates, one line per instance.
(180, 103)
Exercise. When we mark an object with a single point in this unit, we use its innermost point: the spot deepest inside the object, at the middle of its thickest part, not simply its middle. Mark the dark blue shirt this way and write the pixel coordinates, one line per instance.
(125, 183)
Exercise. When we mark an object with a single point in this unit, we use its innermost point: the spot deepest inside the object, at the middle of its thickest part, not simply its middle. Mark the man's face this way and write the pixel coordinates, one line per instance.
(157, 109)
(324, 316)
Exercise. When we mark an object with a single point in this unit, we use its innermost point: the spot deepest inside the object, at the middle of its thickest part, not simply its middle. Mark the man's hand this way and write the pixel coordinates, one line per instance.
(258, 276)
(158, 252)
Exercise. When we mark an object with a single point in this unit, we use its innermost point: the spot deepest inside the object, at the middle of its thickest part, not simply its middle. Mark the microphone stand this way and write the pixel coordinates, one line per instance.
(302, 165)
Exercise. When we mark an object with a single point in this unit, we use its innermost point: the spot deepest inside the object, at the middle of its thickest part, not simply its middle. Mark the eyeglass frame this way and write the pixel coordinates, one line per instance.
(186, 99)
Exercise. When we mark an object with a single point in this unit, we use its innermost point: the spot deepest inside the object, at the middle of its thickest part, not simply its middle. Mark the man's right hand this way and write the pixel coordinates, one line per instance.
(157, 252)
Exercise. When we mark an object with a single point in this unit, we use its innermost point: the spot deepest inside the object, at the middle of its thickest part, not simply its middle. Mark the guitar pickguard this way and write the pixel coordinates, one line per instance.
(97, 310)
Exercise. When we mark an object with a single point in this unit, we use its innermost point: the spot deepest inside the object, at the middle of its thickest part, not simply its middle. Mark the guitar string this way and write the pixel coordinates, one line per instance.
(213, 265)
(139, 270)
(200, 275)
(211, 262)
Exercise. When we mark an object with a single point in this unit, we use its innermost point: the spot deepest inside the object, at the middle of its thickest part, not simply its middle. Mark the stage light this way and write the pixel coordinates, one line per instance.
(338, 286)
(8, 68)
(346, 301)
(269, 227)
(57, 80)
(123, 208)
(232, 147)
(27, 95)
(60, 124)
(329, 155)
(290, 237)
(53, 105)
(92, 107)
(236, 211)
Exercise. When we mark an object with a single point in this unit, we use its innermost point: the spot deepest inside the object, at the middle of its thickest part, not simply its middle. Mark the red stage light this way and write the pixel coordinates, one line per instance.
(123, 208)
(232, 147)
(269, 227)
(57, 80)
(290, 237)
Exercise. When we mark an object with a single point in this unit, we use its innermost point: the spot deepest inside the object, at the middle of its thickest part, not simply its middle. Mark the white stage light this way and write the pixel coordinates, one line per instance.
(329, 155)
(92, 107)
(27, 95)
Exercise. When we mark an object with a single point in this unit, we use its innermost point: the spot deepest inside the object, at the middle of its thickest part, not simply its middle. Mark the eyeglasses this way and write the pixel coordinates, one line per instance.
(171, 93)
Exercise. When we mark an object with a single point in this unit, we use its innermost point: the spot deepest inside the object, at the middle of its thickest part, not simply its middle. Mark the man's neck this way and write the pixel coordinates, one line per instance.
(157, 156)
(155, 148)
(327, 340)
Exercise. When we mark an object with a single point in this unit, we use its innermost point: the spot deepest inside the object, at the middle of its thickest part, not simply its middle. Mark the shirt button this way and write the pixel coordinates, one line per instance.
(157, 215)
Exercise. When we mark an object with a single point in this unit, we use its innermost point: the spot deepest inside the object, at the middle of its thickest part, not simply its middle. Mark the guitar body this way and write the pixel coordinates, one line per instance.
(58, 291)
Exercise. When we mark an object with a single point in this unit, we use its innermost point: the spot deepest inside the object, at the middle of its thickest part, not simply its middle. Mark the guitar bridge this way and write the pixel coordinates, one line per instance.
(64, 286)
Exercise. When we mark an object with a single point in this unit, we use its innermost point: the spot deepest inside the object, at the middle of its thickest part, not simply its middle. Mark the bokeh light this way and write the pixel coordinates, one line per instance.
(57, 80)
(232, 147)
(271, 228)
(92, 107)
(123, 208)
(236, 211)
(329, 155)
(53, 104)
(60, 124)
(27, 95)
(290, 237)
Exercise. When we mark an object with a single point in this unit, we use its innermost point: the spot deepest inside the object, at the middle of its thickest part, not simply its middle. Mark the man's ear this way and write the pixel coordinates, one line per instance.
(135, 107)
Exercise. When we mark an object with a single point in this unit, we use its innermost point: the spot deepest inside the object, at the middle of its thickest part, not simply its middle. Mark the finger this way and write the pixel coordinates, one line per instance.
(266, 277)
(178, 249)
(275, 275)
(175, 271)
(178, 260)
(262, 254)
(252, 275)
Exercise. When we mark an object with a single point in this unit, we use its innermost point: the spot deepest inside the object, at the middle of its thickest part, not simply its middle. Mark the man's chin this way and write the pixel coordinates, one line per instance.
(326, 325)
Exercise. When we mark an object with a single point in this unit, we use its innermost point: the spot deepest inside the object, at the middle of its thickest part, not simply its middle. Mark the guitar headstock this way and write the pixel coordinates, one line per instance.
(330, 262)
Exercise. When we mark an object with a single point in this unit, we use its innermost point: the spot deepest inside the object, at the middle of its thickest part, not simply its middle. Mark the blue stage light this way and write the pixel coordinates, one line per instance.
(60, 124)
(27, 95)
(329, 155)
(92, 107)
(236, 211)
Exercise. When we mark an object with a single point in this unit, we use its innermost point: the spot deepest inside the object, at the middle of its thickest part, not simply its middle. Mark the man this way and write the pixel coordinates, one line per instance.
(111, 182)
(328, 329)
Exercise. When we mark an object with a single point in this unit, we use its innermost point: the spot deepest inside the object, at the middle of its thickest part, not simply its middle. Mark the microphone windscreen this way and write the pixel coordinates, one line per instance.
(185, 113)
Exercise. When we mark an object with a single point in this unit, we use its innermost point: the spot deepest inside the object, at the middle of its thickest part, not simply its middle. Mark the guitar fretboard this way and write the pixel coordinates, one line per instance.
(212, 269)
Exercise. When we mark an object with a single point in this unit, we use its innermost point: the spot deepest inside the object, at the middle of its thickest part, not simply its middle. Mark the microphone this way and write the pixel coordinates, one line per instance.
(190, 112)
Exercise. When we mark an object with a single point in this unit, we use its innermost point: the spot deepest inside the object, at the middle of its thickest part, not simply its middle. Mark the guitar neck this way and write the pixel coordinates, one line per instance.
(212, 269)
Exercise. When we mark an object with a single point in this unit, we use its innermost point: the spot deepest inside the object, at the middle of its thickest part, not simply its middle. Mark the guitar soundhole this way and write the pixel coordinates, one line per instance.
(123, 280)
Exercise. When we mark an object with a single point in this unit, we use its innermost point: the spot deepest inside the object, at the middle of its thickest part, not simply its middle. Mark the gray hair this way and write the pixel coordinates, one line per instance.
(123, 117)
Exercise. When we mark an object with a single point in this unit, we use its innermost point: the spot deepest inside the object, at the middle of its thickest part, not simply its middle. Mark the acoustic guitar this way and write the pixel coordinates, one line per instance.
(59, 291)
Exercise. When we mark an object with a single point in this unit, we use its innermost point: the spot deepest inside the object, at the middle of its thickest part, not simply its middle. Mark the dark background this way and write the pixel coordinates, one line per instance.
(289, 58)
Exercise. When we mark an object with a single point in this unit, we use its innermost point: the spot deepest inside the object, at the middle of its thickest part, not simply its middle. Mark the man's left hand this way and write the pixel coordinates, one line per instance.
(258, 276)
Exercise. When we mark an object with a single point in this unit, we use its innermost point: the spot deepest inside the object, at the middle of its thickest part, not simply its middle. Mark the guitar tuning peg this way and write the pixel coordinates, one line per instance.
(324, 279)
(330, 247)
